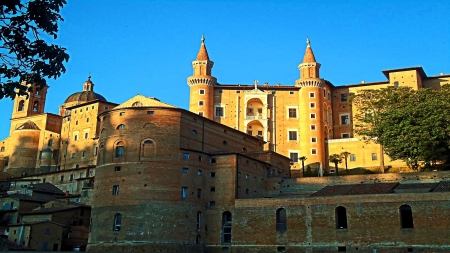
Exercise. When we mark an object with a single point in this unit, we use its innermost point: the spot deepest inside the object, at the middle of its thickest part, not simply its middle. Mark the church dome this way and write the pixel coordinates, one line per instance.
(86, 95)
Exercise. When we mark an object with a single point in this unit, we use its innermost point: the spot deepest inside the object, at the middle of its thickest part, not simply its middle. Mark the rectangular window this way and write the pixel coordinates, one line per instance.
(115, 190)
(313, 127)
(86, 135)
(312, 105)
(184, 192)
(185, 170)
(199, 172)
(374, 157)
(71, 177)
(344, 97)
(292, 113)
(313, 139)
(117, 168)
(199, 193)
(212, 174)
(347, 135)
(212, 189)
(150, 112)
(200, 103)
(212, 160)
(313, 151)
(292, 135)
(200, 114)
(212, 203)
(352, 158)
(324, 93)
(185, 155)
(259, 110)
(250, 110)
(312, 115)
(95, 151)
(250, 132)
(219, 111)
(345, 119)
(87, 120)
(84, 153)
(312, 95)
(200, 158)
(293, 156)
(259, 133)
(73, 155)
(45, 245)
(121, 113)
(201, 92)
(62, 178)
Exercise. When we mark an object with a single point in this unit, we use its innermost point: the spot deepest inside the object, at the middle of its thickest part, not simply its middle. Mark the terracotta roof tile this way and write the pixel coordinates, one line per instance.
(309, 55)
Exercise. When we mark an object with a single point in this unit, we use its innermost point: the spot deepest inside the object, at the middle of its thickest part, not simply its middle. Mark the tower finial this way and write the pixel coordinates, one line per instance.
(89, 76)
(308, 42)
(203, 39)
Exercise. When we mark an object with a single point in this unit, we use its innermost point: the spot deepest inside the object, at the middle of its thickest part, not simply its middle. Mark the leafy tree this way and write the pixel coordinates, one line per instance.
(303, 159)
(24, 55)
(336, 159)
(345, 155)
(411, 125)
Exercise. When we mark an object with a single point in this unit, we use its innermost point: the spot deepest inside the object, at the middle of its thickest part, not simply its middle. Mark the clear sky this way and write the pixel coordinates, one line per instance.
(146, 47)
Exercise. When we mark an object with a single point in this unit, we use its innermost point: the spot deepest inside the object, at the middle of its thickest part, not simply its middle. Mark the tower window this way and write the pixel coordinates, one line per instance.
(21, 105)
(35, 106)
(184, 192)
(119, 150)
(345, 119)
(313, 139)
(201, 92)
(313, 151)
(200, 103)
(344, 97)
(120, 127)
(312, 105)
(312, 95)
(115, 190)
(219, 111)
(341, 217)
(312, 115)
(313, 127)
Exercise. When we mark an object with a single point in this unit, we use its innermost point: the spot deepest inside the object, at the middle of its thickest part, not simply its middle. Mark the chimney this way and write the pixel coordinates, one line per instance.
(67, 193)
(363, 81)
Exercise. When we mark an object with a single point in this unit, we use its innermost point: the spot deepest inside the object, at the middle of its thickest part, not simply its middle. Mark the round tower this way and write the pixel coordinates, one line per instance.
(311, 118)
(202, 83)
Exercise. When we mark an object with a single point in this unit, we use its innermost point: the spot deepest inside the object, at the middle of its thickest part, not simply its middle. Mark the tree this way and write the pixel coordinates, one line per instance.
(303, 159)
(24, 55)
(336, 159)
(411, 125)
(345, 155)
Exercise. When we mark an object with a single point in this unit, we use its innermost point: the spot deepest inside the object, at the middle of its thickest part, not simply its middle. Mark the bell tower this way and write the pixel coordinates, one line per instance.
(312, 139)
(201, 84)
(33, 105)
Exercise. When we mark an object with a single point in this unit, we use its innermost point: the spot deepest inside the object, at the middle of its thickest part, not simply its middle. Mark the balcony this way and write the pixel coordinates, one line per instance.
(254, 117)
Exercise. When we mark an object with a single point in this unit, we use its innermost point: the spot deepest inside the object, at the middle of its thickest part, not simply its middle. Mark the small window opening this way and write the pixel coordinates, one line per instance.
(341, 217)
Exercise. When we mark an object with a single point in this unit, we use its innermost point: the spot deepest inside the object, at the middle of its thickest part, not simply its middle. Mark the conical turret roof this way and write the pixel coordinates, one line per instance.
(309, 55)
(202, 53)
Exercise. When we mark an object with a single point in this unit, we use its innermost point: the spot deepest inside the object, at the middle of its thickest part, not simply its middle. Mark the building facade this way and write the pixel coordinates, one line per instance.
(311, 119)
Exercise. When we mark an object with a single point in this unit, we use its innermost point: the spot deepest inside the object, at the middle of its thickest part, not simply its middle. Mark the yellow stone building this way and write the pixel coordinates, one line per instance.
(311, 119)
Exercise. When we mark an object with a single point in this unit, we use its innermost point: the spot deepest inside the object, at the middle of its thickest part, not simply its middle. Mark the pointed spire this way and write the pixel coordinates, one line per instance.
(202, 53)
(309, 55)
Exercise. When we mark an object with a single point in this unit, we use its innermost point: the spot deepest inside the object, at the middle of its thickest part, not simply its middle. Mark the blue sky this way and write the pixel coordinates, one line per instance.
(146, 47)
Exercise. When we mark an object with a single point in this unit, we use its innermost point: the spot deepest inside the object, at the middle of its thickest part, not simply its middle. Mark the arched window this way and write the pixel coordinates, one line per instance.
(199, 220)
(50, 142)
(406, 219)
(35, 106)
(198, 240)
(101, 131)
(341, 217)
(226, 227)
(137, 103)
(121, 126)
(119, 149)
(117, 222)
(148, 148)
(21, 105)
(281, 219)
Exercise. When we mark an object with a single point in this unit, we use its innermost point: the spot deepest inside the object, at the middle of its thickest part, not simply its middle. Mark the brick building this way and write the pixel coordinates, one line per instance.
(221, 177)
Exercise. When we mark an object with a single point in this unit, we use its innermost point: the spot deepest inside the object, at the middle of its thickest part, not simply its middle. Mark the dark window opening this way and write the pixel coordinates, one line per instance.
(342, 249)
(281, 249)
(117, 222)
(341, 217)
(226, 227)
(281, 220)
(406, 219)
